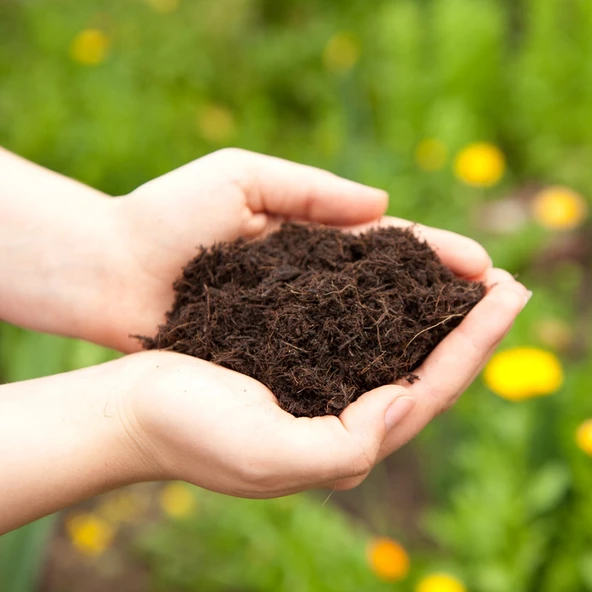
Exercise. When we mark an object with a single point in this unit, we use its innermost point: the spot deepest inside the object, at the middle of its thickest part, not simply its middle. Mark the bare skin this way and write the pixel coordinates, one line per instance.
(78, 263)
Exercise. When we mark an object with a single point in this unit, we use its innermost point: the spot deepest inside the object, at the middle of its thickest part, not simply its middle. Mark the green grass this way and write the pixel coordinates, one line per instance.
(511, 494)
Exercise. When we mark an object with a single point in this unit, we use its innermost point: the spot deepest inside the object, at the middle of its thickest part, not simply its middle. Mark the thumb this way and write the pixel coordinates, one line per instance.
(375, 414)
(369, 420)
(339, 449)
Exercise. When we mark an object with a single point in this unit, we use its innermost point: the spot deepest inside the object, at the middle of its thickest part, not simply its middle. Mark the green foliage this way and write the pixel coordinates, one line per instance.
(511, 494)
(293, 544)
(22, 555)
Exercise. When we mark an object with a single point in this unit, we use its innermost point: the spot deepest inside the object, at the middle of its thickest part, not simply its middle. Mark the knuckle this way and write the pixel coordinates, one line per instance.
(362, 463)
(231, 155)
(235, 164)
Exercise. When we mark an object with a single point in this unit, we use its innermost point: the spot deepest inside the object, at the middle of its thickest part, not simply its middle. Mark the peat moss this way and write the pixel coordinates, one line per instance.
(317, 315)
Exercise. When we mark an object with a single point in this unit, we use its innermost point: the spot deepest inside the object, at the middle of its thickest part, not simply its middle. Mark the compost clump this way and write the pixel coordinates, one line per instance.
(318, 315)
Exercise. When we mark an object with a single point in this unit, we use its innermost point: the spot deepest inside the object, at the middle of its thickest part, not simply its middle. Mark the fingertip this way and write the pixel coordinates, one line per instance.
(515, 295)
(504, 300)
(474, 261)
(367, 190)
(502, 279)
(382, 198)
(370, 203)
(369, 410)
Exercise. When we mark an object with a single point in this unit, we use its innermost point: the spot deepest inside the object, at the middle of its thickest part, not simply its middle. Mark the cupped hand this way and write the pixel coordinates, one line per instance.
(192, 420)
(225, 195)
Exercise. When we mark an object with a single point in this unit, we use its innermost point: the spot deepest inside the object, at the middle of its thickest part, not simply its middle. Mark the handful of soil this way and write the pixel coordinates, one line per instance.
(318, 315)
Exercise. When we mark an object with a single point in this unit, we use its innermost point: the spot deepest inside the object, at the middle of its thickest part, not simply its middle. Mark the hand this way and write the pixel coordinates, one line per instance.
(221, 197)
(221, 430)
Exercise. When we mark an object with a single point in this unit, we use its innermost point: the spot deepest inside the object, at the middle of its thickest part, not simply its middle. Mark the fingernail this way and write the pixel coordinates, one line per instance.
(527, 297)
(397, 411)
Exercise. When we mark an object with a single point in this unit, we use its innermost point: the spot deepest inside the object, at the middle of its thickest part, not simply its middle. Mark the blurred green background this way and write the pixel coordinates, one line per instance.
(476, 116)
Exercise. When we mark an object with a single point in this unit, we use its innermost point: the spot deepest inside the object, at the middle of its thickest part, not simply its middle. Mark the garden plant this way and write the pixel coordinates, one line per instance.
(475, 116)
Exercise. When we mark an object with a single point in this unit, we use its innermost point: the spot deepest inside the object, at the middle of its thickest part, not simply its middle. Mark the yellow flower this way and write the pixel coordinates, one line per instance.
(431, 154)
(342, 52)
(216, 123)
(177, 500)
(559, 208)
(90, 534)
(164, 6)
(481, 165)
(584, 437)
(440, 582)
(388, 559)
(90, 47)
(523, 372)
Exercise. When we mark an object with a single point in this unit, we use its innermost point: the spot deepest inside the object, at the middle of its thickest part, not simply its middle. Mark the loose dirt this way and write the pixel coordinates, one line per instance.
(318, 315)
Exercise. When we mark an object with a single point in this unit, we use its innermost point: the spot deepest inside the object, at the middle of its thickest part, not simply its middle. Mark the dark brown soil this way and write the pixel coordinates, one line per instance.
(317, 315)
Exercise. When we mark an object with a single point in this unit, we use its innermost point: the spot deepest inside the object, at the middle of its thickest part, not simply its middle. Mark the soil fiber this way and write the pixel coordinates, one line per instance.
(317, 315)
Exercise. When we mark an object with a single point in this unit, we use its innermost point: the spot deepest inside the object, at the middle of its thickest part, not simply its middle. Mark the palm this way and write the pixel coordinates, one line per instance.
(205, 416)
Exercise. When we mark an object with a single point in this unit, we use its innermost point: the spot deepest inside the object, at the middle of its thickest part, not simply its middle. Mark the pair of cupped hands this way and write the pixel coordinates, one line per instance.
(188, 419)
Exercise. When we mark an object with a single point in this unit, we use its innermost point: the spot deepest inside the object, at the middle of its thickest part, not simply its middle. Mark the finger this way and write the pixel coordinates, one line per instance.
(297, 191)
(464, 256)
(457, 360)
(496, 276)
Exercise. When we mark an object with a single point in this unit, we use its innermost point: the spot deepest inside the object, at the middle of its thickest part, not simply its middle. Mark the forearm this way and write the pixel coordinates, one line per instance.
(55, 251)
(62, 440)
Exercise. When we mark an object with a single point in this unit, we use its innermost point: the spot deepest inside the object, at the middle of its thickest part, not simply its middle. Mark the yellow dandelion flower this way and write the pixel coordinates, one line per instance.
(481, 165)
(431, 154)
(584, 437)
(388, 559)
(523, 372)
(90, 534)
(216, 123)
(164, 6)
(342, 52)
(559, 208)
(440, 582)
(90, 47)
(177, 500)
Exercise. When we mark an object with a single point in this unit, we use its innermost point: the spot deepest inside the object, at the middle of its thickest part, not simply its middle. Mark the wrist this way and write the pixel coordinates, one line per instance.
(131, 400)
(62, 441)
(60, 259)
(125, 296)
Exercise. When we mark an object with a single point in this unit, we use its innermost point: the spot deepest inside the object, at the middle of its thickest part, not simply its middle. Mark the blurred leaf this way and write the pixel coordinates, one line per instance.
(547, 488)
(22, 553)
